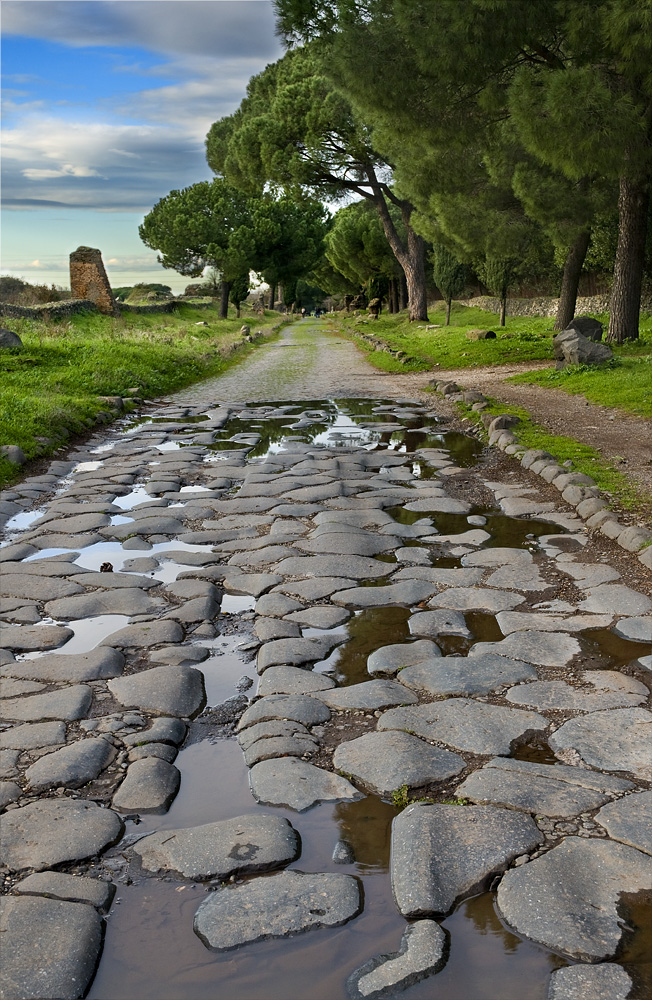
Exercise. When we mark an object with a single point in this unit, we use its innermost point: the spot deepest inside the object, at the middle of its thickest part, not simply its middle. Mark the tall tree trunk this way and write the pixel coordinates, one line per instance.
(571, 279)
(449, 302)
(503, 307)
(633, 201)
(272, 295)
(225, 288)
(237, 310)
(402, 287)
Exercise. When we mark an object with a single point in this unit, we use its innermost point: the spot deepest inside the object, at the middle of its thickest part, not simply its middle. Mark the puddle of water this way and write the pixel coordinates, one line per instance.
(609, 651)
(635, 954)
(120, 519)
(224, 668)
(87, 467)
(234, 604)
(536, 753)
(23, 520)
(138, 495)
(88, 634)
(367, 631)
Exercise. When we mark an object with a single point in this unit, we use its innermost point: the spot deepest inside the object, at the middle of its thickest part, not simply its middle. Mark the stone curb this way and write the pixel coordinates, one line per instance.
(577, 489)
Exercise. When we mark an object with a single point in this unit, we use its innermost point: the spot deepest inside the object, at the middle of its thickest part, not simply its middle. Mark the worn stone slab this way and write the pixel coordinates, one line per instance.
(73, 888)
(465, 724)
(442, 622)
(263, 557)
(358, 543)
(475, 598)
(385, 761)
(26, 638)
(51, 831)
(162, 750)
(98, 664)
(115, 581)
(255, 584)
(50, 948)
(36, 588)
(444, 577)
(9, 792)
(466, 675)
(180, 656)
(316, 589)
(407, 593)
(444, 853)
(279, 906)
(350, 566)
(240, 846)
(64, 703)
(298, 785)
(388, 660)
(162, 730)
(634, 629)
(292, 680)
(72, 766)
(295, 708)
(522, 621)
(149, 786)
(269, 730)
(125, 601)
(11, 688)
(276, 605)
(319, 616)
(422, 953)
(280, 746)
(368, 695)
(549, 790)
(604, 689)
(616, 599)
(293, 652)
(267, 629)
(8, 761)
(619, 739)
(32, 736)
(629, 820)
(547, 649)
(177, 691)
(144, 635)
(444, 505)
(590, 982)
(198, 610)
(567, 900)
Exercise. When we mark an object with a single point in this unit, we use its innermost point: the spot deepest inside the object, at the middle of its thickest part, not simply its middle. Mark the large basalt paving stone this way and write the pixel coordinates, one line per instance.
(476, 598)
(64, 703)
(616, 599)
(98, 664)
(443, 576)
(548, 790)
(316, 589)
(422, 953)
(388, 660)
(268, 730)
(518, 577)
(251, 843)
(143, 635)
(9, 792)
(126, 601)
(567, 900)
(277, 605)
(383, 762)
(293, 707)
(434, 623)
(350, 566)
(292, 652)
(162, 730)
(77, 523)
(51, 831)
(407, 593)
(115, 581)
(149, 786)
(522, 621)
(464, 724)
(466, 675)
(358, 543)
(280, 746)
(26, 638)
(590, 982)
(634, 629)
(36, 588)
(255, 584)
(177, 691)
(72, 766)
(443, 853)
(73, 888)
(619, 739)
(629, 820)
(369, 695)
(604, 689)
(298, 785)
(547, 649)
(50, 948)
(319, 616)
(263, 557)
(278, 906)
(292, 680)
(33, 735)
(267, 629)
(439, 505)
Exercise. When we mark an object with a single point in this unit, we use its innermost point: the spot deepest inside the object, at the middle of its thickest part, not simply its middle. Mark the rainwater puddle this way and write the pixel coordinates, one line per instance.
(130, 500)
(235, 604)
(89, 633)
(86, 467)
(24, 520)
(609, 651)
(367, 631)
(224, 668)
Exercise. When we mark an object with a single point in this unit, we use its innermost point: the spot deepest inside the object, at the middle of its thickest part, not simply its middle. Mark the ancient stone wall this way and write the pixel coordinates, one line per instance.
(48, 310)
(547, 306)
(88, 280)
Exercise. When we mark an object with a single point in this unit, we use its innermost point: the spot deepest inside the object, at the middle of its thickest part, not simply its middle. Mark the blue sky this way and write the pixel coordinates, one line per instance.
(106, 105)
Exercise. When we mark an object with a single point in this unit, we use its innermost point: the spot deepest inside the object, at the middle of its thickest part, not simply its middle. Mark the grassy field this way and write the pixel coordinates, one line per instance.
(49, 389)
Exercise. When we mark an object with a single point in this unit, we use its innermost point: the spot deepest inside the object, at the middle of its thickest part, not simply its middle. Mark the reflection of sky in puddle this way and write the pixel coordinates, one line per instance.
(93, 556)
(89, 633)
(86, 467)
(224, 668)
(138, 495)
(234, 604)
(23, 520)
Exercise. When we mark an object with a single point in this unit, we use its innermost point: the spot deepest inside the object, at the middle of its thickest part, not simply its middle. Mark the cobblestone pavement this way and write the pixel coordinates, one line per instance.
(300, 571)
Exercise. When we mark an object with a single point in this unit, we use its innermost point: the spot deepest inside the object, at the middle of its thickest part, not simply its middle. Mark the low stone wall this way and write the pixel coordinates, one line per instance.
(49, 310)
(548, 307)
(151, 307)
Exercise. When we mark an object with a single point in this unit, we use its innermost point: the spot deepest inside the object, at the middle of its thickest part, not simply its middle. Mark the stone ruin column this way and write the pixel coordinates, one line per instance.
(88, 280)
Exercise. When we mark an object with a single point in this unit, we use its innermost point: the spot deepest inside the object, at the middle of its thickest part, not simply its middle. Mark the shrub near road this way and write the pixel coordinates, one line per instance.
(49, 389)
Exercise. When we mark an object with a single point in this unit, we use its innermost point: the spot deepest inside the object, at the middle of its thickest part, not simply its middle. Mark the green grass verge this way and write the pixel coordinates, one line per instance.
(49, 388)
(624, 383)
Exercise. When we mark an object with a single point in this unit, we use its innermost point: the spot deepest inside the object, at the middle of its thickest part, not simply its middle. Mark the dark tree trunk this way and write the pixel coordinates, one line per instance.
(272, 295)
(403, 295)
(237, 310)
(633, 204)
(503, 307)
(571, 279)
(224, 298)
(449, 302)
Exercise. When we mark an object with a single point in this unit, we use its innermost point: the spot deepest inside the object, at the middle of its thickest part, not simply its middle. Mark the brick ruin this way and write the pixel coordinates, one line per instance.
(88, 280)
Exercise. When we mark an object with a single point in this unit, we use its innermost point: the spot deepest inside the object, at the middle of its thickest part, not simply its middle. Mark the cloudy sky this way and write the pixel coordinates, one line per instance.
(106, 105)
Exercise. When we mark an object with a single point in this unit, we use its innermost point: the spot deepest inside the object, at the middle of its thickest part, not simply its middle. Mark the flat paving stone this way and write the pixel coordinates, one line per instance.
(280, 746)
(72, 766)
(629, 820)
(546, 649)
(368, 695)
(444, 853)
(254, 584)
(74, 888)
(268, 730)
(51, 831)
(443, 505)
(276, 605)
(149, 786)
(466, 675)
(465, 724)
(115, 581)
(11, 688)
(98, 664)
(297, 784)
(350, 566)
(295, 708)
(267, 629)
(292, 652)
(180, 656)
(144, 635)
(567, 900)
(589, 575)
(33, 735)
(36, 588)
(126, 601)
(64, 703)
(445, 577)
(604, 689)
(278, 906)
(358, 543)
(27, 638)
(162, 730)
(8, 761)
(475, 598)
(319, 616)
(618, 739)
(292, 680)
(616, 599)
(50, 948)
(434, 623)
(521, 621)
(590, 982)
(385, 761)
(634, 629)
(9, 792)
(422, 953)
(388, 660)
(177, 691)
(240, 846)
(317, 589)
(407, 593)
(549, 790)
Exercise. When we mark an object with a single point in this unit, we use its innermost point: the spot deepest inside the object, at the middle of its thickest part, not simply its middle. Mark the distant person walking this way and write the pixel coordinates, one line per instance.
(303, 314)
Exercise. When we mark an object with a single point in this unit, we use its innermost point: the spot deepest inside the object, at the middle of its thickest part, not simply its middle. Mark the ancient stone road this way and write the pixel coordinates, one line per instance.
(415, 628)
